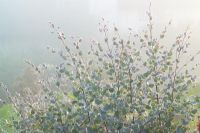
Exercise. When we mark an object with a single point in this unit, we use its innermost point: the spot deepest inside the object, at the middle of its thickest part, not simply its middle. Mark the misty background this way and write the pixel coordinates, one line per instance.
(25, 32)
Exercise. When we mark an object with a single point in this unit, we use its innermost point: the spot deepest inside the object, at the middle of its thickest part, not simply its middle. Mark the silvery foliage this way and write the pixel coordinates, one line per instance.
(122, 84)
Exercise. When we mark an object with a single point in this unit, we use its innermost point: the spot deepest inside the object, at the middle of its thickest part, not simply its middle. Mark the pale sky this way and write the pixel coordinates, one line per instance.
(24, 29)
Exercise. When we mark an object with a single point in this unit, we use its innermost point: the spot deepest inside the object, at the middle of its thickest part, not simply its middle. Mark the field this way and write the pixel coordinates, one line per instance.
(195, 92)
(6, 115)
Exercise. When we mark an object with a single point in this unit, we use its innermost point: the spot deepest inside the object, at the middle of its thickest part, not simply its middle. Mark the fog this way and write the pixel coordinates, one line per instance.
(25, 33)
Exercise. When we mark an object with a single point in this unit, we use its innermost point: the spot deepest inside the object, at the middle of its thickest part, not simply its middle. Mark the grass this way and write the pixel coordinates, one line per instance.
(6, 114)
(194, 92)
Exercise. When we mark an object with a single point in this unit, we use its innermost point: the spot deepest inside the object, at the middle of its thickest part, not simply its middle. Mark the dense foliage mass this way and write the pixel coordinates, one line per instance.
(130, 84)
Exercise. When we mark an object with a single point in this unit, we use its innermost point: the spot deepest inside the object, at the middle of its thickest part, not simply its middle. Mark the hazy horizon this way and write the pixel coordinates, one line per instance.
(25, 33)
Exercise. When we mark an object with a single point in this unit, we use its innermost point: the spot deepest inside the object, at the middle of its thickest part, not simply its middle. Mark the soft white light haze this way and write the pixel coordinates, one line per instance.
(24, 29)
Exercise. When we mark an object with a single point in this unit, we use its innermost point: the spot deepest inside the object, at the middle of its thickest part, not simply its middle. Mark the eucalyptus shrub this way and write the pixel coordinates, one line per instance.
(122, 84)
